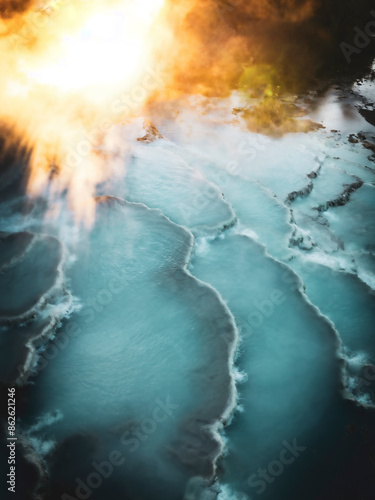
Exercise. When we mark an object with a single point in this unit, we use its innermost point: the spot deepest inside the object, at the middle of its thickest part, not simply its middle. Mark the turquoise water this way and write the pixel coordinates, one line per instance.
(216, 320)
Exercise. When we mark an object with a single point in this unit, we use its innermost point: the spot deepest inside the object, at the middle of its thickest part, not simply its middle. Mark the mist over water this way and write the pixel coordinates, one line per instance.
(210, 336)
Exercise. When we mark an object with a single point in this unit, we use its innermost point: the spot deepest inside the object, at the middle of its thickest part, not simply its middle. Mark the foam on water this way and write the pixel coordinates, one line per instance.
(347, 301)
(175, 187)
(354, 223)
(169, 338)
(29, 314)
(282, 336)
(143, 363)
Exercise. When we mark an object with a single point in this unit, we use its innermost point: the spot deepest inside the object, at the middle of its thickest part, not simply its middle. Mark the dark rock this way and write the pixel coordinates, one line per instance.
(152, 133)
(352, 138)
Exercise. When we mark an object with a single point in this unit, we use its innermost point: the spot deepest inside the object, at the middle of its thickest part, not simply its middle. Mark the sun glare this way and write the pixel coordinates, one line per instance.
(65, 71)
(107, 50)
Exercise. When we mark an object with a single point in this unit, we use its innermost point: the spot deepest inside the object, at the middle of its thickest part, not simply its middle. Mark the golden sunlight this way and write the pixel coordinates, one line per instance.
(65, 71)
(106, 50)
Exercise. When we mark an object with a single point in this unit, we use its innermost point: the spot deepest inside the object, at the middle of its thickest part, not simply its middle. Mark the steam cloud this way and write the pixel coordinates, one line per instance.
(51, 93)
(217, 38)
